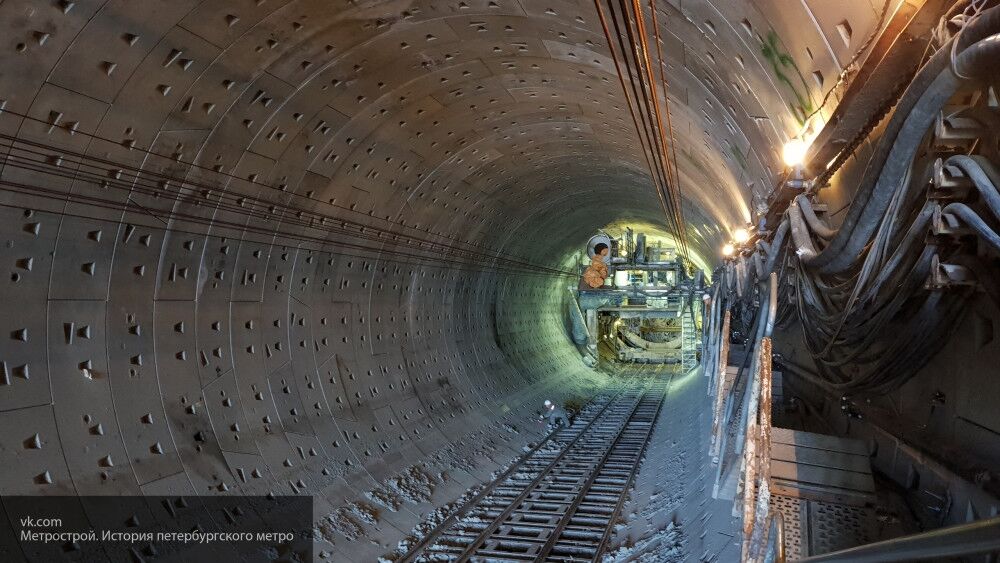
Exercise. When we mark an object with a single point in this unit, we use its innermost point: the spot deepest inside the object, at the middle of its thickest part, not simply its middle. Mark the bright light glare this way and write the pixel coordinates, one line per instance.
(741, 236)
(728, 250)
(794, 152)
(623, 252)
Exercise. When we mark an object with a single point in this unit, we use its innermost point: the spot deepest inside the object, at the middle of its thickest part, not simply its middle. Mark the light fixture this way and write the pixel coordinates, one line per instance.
(741, 235)
(623, 252)
(728, 250)
(794, 152)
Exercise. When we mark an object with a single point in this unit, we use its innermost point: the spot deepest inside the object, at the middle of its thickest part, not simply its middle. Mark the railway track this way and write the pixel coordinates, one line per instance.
(559, 501)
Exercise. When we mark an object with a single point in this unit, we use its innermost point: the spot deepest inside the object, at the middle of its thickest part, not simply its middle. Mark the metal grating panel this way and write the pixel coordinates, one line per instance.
(815, 527)
(838, 526)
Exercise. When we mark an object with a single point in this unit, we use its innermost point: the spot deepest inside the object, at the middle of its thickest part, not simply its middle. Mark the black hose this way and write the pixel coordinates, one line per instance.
(916, 110)
(986, 274)
(983, 182)
(804, 248)
(816, 225)
(777, 245)
(975, 222)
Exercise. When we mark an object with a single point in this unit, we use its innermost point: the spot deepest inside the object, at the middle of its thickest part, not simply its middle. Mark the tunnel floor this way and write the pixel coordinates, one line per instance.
(629, 479)
(671, 515)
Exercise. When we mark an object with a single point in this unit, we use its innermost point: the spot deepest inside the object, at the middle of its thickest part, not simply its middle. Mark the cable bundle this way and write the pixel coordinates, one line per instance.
(222, 203)
(860, 291)
(653, 125)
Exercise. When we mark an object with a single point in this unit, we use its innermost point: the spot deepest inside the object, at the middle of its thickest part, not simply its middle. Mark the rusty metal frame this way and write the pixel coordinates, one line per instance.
(721, 387)
(758, 537)
(755, 474)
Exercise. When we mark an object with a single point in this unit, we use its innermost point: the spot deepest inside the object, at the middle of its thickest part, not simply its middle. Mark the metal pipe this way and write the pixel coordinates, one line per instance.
(721, 389)
(762, 500)
(779, 554)
(772, 306)
(758, 265)
(580, 332)
(755, 465)
(741, 268)
(760, 327)
(651, 267)
(982, 536)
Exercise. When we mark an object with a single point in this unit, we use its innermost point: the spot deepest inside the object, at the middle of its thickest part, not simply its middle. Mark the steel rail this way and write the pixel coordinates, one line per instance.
(492, 527)
(521, 509)
(472, 503)
(602, 545)
(575, 530)
(566, 509)
(571, 544)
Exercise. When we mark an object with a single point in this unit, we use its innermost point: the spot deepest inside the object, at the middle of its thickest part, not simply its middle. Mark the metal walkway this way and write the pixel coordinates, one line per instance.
(559, 501)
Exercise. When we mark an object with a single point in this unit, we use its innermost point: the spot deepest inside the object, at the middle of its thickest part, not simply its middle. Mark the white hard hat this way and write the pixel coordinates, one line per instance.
(548, 402)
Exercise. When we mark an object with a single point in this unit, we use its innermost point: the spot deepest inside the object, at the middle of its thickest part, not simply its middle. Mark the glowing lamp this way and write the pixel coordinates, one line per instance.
(794, 152)
(728, 250)
(741, 236)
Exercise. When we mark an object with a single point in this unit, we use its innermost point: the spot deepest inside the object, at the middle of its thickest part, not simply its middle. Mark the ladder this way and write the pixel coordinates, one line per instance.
(690, 340)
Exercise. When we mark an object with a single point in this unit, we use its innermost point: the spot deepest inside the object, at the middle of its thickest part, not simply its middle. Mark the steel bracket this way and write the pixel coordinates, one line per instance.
(949, 183)
(957, 128)
(946, 226)
(944, 275)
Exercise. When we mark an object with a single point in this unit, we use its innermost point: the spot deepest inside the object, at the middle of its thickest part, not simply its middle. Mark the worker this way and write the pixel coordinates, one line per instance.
(556, 416)
(594, 275)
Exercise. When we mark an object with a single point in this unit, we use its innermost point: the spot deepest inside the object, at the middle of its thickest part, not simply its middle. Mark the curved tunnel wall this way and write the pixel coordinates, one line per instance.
(158, 356)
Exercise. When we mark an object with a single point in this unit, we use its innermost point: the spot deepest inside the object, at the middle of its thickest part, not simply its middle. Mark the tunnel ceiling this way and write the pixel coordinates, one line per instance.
(461, 116)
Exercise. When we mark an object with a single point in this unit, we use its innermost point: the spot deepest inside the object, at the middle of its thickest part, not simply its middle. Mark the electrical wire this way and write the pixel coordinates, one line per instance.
(644, 106)
(655, 172)
(173, 160)
(132, 183)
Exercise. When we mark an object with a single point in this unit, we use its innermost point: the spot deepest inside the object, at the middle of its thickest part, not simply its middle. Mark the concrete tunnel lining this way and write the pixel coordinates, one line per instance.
(499, 123)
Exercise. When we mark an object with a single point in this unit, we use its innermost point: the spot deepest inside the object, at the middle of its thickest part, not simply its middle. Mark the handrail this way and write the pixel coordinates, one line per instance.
(981, 536)
(774, 551)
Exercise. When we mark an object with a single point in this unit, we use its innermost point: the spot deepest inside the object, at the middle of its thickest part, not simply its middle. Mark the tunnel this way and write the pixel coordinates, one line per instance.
(331, 251)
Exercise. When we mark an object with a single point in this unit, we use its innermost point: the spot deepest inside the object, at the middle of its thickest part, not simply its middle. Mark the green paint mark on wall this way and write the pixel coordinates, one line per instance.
(783, 65)
(739, 156)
